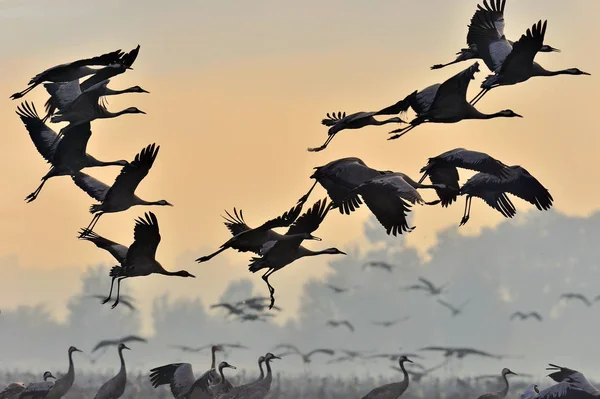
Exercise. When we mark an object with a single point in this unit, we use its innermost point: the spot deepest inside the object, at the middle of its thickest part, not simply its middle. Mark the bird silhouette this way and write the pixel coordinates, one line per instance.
(524, 316)
(454, 310)
(338, 323)
(576, 296)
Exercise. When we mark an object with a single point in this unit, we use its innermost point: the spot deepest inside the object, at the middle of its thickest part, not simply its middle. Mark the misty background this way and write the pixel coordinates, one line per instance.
(522, 264)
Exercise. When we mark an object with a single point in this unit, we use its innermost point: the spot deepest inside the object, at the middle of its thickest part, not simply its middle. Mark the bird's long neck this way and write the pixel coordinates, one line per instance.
(504, 391)
(122, 371)
(140, 201)
(476, 114)
(221, 374)
(111, 92)
(70, 376)
(269, 377)
(108, 114)
(262, 372)
(539, 70)
(302, 252)
(94, 162)
(406, 377)
(212, 364)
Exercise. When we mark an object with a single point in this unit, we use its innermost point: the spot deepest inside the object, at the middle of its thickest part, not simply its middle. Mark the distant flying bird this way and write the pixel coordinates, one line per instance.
(125, 299)
(116, 342)
(493, 190)
(482, 44)
(444, 103)
(121, 195)
(141, 256)
(293, 350)
(232, 309)
(443, 169)
(428, 286)
(379, 265)
(337, 290)
(276, 254)
(390, 323)
(455, 310)
(390, 196)
(67, 156)
(357, 120)
(247, 239)
(417, 376)
(523, 316)
(71, 71)
(337, 323)
(518, 66)
(255, 317)
(461, 353)
(580, 297)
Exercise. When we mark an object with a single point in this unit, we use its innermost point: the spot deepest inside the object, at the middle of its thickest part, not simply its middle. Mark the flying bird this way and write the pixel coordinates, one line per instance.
(338, 323)
(232, 309)
(306, 357)
(116, 342)
(337, 290)
(444, 103)
(570, 384)
(493, 190)
(71, 71)
(358, 120)
(486, 39)
(518, 65)
(443, 169)
(121, 195)
(379, 265)
(524, 316)
(427, 286)
(453, 309)
(390, 323)
(140, 259)
(576, 296)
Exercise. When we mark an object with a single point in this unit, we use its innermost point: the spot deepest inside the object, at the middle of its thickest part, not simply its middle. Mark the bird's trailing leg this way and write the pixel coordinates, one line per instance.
(479, 96)
(22, 93)
(112, 283)
(467, 213)
(304, 198)
(209, 257)
(321, 148)
(31, 197)
(114, 305)
(265, 277)
(401, 132)
(91, 225)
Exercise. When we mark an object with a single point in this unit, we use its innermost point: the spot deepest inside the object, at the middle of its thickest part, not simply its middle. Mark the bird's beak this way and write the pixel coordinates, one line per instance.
(232, 367)
(77, 350)
(315, 238)
(410, 361)
(555, 50)
(585, 73)
(513, 373)
(343, 253)
(142, 112)
(276, 357)
(126, 347)
(519, 116)
(130, 68)
(145, 91)
(169, 204)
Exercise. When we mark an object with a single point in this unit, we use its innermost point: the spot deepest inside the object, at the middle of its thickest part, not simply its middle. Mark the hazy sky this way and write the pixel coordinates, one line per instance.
(237, 93)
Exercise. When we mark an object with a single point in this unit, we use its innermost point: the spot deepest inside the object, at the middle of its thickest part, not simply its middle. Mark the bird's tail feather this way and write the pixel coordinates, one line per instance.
(116, 271)
(95, 208)
(257, 264)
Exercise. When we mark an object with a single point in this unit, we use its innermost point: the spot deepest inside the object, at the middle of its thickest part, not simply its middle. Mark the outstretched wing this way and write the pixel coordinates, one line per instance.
(62, 94)
(131, 175)
(525, 49)
(284, 220)
(146, 239)
(486, 34)
(522, 184)
(467, 159)
(323, 351)
(43, 137)
(454, 90)
(391, 211)
(235, 223)
(179, 376)
(489, 188)
(104, 59)
(118, 251)
(92, 186)
(311, 219)
(428, 283)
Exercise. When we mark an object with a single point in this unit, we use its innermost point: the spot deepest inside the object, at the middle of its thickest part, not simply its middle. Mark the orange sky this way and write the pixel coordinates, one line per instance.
(236, 98)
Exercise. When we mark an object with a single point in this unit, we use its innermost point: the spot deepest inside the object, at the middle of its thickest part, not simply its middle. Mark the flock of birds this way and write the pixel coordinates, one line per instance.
(349, 182)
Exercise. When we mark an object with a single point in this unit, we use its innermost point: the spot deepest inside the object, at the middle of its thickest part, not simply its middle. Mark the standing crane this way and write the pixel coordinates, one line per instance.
(141, 256)
(518, 65)
(444, 103)
(393, 390)
(68, 156)
(121, 195)
(63, 384)
(236, 391)
(258, 389)
(486, 39)
(276, 254)
(71, 71)
(114, 388)
(220, 385)
(502, 393)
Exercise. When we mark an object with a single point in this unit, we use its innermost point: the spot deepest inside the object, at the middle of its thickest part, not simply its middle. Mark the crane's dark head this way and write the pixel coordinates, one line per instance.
(225, 365)
(536, 388)
(548, 49)
(137, 89)
(308, 236)
(74, 349)
(269, 356)
(123, 346)
(575, 71)
(47, 375)
(509, 113)
(403, 359)
(334, 251)
(216, 348)
(506, 371)
(133, 110)
(184, 273)
(261, 359)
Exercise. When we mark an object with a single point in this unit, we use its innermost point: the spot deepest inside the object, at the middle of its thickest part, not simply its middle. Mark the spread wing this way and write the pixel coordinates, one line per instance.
(489, 189)
(131, 175)
(235, 223)
(62, 94)
(43, 137)
(118, 251)
(179, 376)
(146, 239)
(284, 220)
(454, 90)
(525, 49)
(323, 351)
(104, 59)
(311, 219)
(486, 34)
(92, 186)
(391, 211)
